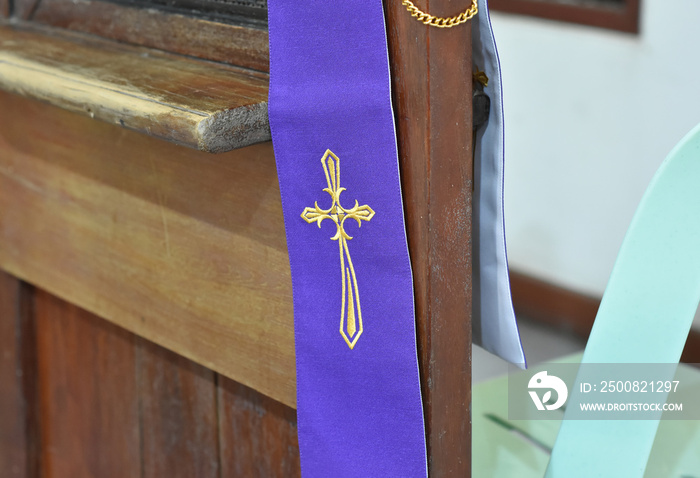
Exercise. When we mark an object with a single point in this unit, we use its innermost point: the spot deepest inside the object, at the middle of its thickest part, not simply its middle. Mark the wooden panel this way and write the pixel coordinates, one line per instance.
(570, 311)
(13, 435)
(258, 435)
(181, 247)
(179, 417)
(233, 11)
(236, 45)
(434, 120)
(89, 396)
(113, 404)
(23, 9)
(623, 17)
(553, 305)
(199, 104)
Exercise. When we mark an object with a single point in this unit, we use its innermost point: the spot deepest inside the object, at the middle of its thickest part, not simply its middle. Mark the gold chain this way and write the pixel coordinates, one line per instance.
(480, 77)
(441, 22)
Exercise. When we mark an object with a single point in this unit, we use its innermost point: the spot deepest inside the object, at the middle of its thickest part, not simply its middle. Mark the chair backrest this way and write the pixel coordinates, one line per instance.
(645, 315)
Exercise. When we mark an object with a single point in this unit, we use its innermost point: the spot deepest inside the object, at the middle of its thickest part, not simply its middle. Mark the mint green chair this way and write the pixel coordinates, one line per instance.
(644, 317)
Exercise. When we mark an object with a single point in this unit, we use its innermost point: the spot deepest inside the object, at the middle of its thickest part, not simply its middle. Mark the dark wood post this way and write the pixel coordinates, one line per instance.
(431, 71)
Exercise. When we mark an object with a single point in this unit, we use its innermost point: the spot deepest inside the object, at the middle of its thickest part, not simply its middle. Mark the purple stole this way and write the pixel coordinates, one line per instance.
(358, 392)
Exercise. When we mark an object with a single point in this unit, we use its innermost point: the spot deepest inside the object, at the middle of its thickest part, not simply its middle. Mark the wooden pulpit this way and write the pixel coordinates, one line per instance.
(146, 323)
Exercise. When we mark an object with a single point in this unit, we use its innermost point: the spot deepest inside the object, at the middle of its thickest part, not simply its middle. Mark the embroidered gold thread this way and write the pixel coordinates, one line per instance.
(350, 312)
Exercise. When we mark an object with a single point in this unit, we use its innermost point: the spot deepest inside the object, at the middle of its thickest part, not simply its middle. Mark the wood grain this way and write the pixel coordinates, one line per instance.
(236, 45)
(89, 397)
(231, 11)
(179, 416)
(199, 104)
(434, 121)
(258, 435)
(624, 18)
(113, 404)
(183, 248)
(13, 433)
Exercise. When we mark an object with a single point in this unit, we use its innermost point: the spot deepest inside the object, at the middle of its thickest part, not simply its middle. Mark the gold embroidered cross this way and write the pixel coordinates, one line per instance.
(338, 214)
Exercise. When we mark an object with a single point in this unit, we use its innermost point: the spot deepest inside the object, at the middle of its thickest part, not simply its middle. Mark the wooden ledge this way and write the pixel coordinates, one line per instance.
(204, 105)
(183, 248)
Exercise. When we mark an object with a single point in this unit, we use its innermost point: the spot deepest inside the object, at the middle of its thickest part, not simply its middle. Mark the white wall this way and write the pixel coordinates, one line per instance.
(590, 115)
